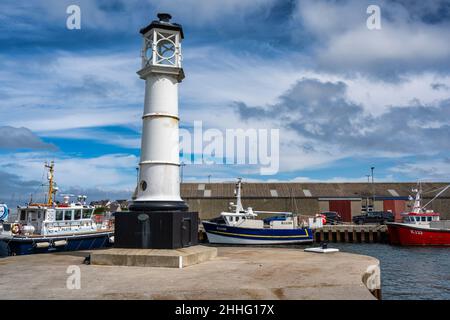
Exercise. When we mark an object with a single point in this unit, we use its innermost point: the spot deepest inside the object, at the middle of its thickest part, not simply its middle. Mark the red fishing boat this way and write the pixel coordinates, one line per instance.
(420, 227)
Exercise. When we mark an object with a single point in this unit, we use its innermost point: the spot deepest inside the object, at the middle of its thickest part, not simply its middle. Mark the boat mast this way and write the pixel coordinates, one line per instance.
(239, 207)
(50, 182)
(417, 207)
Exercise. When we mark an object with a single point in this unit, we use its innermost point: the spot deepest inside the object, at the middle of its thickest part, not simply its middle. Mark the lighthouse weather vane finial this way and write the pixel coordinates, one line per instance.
(164, 17)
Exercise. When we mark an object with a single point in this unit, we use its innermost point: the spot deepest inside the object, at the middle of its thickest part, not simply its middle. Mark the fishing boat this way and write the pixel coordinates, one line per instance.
(52, 226)
(420, 227)
(241, 226)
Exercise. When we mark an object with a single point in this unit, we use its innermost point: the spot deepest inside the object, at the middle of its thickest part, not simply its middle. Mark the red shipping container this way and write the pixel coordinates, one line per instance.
(343, 207)
(396, 207)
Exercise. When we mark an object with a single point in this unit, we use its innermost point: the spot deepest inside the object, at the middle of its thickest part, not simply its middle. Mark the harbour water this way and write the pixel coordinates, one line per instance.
(408, 272)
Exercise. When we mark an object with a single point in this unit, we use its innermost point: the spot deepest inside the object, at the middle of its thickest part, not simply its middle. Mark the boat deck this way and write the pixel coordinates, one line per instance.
(62, 235)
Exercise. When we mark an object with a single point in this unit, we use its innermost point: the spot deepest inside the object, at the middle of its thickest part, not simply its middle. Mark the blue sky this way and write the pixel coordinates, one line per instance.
(344, 97)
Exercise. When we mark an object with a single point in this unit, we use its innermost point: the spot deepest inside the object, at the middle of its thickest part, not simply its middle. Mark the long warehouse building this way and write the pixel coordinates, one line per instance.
(349, 199)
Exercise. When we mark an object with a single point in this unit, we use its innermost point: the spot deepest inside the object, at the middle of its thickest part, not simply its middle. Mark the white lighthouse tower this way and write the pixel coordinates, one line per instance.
(158, 217)
(159, 176)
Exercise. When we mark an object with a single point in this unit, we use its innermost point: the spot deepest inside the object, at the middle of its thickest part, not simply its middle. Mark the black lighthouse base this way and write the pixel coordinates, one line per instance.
(155, 227)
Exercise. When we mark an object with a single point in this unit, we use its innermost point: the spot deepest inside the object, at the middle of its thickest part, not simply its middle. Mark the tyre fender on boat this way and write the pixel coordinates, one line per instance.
(15, 228)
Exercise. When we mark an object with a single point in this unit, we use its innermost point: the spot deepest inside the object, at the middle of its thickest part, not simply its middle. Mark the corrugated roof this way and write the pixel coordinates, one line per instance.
(288, 189)
(393, 192)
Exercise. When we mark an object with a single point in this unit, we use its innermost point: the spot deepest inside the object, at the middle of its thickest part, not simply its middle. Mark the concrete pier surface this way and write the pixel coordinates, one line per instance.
(236, 273)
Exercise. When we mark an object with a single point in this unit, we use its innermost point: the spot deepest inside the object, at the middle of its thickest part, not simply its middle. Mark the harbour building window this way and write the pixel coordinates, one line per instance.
(77, 215)
(59, 215)
(67, 214)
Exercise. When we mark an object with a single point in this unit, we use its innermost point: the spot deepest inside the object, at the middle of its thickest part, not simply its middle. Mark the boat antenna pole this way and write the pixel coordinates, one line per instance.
(50, 182)
(441, 192)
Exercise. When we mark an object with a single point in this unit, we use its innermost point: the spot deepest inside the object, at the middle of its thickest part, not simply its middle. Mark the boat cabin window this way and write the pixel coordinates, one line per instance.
(59, 215)
(67, 215)
(22, 215)
(32, 215)
(87, 213)
(424, 218)
(77, 215)
(429, 218)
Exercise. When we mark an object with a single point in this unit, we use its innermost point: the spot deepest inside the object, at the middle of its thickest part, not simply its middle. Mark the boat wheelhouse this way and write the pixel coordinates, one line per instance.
(59, 219)
(422, 219)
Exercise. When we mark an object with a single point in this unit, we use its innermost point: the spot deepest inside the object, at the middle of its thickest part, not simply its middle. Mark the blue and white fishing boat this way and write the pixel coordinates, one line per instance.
(242, 226)
(51, 226)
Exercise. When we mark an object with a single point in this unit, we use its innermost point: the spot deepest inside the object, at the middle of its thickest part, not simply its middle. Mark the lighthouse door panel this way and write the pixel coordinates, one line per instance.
(186, 239)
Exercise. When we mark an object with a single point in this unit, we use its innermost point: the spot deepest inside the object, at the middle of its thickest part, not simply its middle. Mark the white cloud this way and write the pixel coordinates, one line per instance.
(107, 172)
(423, 47)
(21, 138)
(431, 170)
(97, 135)
(202, 12)
(129, 15)
(215, 75)
(377, 96)
(71, 91)
(342, 42)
